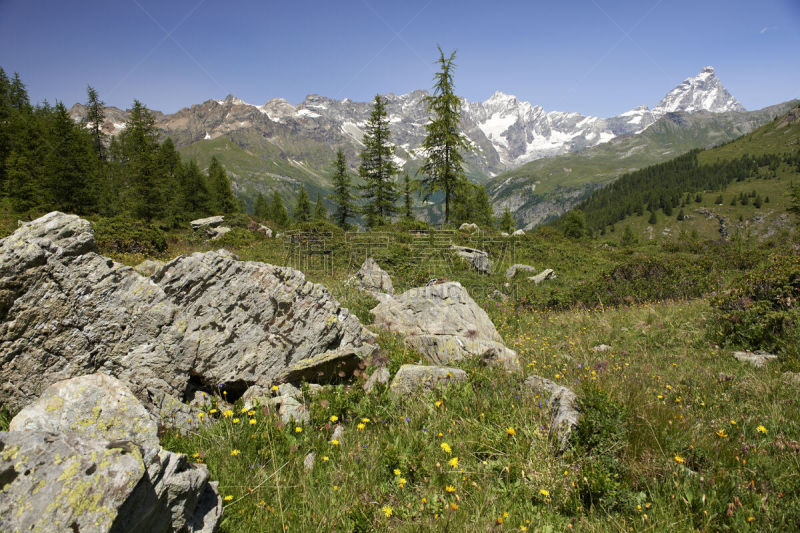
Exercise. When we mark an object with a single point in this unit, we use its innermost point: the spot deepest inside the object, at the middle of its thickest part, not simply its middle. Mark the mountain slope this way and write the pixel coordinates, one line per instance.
(549, 187)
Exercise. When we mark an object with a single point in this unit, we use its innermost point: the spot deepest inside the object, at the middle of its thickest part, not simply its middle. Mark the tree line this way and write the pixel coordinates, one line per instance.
(50, 162)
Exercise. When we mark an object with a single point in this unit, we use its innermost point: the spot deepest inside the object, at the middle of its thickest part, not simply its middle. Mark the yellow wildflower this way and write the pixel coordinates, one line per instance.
(453, 462)
(438, 403)
(360, 426)
(227, 413)
(446, 448)
(335, 442)
(396, 472)
(678, 459)
(761, 429)
(235, 452)
(387, 511)
(228, 498)
(365, 420)
(721, 433)
(252, 421)
(235, 420)
(544, 492)
(511, 432)
(334, 418)
(450, 488)
(298, 429)
(401, 482)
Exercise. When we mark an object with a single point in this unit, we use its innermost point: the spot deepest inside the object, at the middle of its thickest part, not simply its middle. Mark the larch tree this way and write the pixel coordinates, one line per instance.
(343, 199)
(444, 143)
(377, 168)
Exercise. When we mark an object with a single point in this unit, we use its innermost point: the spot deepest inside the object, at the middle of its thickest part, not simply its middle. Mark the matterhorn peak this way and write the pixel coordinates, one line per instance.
(703, 92)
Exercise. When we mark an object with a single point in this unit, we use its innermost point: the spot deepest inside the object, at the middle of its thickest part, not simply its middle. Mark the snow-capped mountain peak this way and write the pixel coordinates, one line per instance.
(703, 92)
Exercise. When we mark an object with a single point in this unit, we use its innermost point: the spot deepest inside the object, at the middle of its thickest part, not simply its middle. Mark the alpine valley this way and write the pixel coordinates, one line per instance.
(537, 163)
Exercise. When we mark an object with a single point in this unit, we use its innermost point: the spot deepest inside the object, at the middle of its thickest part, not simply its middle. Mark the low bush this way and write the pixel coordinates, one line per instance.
(121, 235)
(762, 309)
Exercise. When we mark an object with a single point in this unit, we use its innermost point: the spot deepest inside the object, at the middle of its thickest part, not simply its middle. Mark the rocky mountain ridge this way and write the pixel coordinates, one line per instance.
(504, 131)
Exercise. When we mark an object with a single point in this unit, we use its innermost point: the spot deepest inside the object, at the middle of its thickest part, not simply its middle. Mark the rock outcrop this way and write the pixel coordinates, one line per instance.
(415, 378)
(513, 269)
(201, 322)
(469, 227)
(564, 411)
(87, 456)
(478, 259)
(543, 275)
(372, 278)
(445, 325)
(757, 359)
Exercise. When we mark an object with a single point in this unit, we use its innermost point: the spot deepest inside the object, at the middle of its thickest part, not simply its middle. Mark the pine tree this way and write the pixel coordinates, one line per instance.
(681, 215)
(377, 168)
(69, 165)
(574, 224)
(444, 142)
(667, 210)
(139, 146)
(320, 211)
(470, 203)
(342, 197)
(277, 211)
(408, 201)
(220, 185)
(261, 207)
(302, 210)
(94, 120)
(196, 199)
(653, 218)
(507, 221)
(628, 238)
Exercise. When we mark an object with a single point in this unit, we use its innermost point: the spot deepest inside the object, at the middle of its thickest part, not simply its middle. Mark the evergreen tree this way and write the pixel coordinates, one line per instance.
(444, 142)
(139, 169)
(220, 185)
(277, 211)
(408, 201)
(342, 197)
(377, 168)
(24, 193)
(574, 224)
(667, 210)
(302, 210)
(681, 216)
(69, 166)
(757, 201)
(719, 200)
(628, 238)
(698, 198)
(507, 221)
(94, 120)
(653, 219)
(196, 199)
(261, 207)
(471, 204)
(320, 211)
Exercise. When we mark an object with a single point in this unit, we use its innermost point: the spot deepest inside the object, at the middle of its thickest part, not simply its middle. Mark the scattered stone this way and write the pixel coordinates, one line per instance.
(148, 267)
(338, 433)
(757, 359)
(564, 411)
(380, 376)
(217, 233)
(413, 378)
(98, 414)
(518, 233)
(722, 377)
(497, 295)
(791, 378)
(601, 348)
(543, 275)
(478, 259)
(504, 234)
(290, 408)
(513, 269)
(210, 222)
(372, 278)
(470, 227)
(67, 311)
(308, 462)
(259, 228)
(445, 325)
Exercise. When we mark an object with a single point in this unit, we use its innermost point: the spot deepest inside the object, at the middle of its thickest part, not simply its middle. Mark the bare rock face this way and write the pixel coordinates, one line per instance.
(372, 278)
(200, 322)
(564, 412)
(113, 437)
(478, 259)
(445, 325)
(415, 378)
(148, 267)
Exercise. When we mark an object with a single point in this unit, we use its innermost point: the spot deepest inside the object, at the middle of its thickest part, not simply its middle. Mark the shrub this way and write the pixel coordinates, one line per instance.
(762, 309)
(122, 235)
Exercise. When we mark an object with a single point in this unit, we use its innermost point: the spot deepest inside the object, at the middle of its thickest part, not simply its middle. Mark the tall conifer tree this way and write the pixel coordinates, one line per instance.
(377, 168)
(444, 142)
(224, 201)
(302, 210)
(342, 197)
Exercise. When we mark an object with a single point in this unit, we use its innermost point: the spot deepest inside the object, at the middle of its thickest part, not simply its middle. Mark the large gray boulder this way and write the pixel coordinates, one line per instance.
(757, 359)
(372, 278)
(445, 325)
(202, 321)
(513, 269)
(564, 411)
(545, 274)
(478, 259)
(208, 222)
(98, 412)
(412, 379)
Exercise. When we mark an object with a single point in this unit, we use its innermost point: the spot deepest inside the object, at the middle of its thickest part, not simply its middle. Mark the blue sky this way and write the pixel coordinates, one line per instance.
(592, 56)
